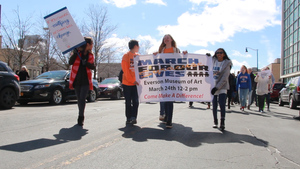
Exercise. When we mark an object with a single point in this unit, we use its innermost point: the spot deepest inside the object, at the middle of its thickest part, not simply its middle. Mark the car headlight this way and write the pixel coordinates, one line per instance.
(42, 86)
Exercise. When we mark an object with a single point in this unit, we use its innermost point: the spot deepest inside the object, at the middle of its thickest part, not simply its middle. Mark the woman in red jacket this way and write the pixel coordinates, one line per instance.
(82, 60)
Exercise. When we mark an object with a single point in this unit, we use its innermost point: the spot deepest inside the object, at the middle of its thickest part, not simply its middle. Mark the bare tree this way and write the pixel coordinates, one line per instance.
(99, 29)
(145, 45)
(14, 37)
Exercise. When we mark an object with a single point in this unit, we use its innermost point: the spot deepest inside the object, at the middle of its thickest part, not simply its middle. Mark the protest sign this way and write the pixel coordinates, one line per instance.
(63, 28)
(174, 77)
(264, 73)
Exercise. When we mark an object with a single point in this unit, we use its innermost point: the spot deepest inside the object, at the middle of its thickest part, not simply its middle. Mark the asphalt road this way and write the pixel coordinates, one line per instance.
(42, 136)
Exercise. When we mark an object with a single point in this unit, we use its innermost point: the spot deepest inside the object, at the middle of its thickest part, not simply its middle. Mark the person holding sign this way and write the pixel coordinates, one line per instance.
(244, 84)
(263, 82)
(82, 61)
(221, 70)
(129, 83)
(168, 45)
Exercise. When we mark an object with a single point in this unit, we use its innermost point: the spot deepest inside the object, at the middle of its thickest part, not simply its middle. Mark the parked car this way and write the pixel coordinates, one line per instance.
(290, 93)
(52, 86)
(276, 87)
(9, 86)
(111, 87)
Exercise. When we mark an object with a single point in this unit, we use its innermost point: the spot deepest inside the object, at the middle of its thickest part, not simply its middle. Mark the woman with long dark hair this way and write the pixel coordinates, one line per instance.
(221, 70)
(82, 61)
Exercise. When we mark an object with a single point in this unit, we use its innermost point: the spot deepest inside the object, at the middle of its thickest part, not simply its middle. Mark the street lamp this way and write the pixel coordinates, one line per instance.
(256, 55)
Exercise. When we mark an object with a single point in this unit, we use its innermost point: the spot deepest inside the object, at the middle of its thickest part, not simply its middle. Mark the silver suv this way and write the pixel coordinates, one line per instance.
(290, 94)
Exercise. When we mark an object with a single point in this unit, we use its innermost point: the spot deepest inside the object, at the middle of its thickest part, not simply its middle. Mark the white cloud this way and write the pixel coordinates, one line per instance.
(220, 21)
(239, 54)
(237, 65)
(204, 51)
(270, 51)
(149, 44)
(158, 2)
(121, 3)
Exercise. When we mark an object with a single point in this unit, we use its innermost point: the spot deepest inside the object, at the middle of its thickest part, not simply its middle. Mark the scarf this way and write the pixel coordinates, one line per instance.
(75, 68)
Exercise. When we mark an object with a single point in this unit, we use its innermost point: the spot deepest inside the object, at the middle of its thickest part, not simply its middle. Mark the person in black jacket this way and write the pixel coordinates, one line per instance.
(23, 74)
(82, 61)
(253, 84)
(231, 89)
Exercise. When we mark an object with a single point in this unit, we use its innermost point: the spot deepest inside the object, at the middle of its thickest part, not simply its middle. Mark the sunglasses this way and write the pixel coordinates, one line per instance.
(219, 52)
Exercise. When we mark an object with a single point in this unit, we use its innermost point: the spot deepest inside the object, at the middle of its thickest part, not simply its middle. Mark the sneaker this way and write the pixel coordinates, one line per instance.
(128, 121)
(133, 121)
(268, 109)
(161, 117)
(169, 125)
(222, 127)
(215, 126)
(190, 106)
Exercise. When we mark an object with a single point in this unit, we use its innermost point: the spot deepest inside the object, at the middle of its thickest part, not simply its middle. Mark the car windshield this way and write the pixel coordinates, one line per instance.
(110, 81)
(52, 75)
(277, 86)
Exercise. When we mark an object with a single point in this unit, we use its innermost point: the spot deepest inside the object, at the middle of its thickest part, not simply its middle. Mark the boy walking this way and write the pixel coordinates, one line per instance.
(129, 83)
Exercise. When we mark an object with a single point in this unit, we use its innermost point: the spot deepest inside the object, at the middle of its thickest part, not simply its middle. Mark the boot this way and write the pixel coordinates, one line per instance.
(80, 120)
(215, 123)
(222, 126)
(248, 107)
(208, 106)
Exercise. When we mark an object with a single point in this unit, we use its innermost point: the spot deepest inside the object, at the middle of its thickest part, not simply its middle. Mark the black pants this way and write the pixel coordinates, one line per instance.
(169, 106)
(81, 93)
(261, 102)
(131, 102)
(268, 97)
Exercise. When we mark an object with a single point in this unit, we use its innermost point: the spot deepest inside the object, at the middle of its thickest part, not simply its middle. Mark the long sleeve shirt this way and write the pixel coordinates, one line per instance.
(128, 69)
(243, 81)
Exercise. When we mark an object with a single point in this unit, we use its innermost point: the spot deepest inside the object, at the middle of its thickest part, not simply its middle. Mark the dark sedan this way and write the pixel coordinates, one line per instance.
(52, 86)
(9, 86)
(111, 87)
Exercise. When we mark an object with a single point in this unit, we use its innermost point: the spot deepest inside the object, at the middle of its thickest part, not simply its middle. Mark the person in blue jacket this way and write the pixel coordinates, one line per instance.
(243, 85)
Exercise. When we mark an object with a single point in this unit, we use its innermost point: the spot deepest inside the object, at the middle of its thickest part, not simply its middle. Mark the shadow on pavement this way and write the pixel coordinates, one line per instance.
(65, 135)
(187, 136)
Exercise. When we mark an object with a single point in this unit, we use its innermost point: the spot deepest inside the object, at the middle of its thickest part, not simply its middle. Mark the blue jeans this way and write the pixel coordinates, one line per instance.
(131, 102)
(243, 96)
(221, 99)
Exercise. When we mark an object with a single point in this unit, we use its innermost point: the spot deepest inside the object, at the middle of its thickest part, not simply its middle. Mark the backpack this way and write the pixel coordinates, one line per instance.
(120, 77)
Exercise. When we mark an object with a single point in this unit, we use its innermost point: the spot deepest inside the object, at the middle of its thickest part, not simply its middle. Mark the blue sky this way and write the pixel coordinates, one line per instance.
(198, 26)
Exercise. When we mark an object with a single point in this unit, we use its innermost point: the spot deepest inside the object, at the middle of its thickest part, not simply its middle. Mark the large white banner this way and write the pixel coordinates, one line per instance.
(64, 30)
(174, 77)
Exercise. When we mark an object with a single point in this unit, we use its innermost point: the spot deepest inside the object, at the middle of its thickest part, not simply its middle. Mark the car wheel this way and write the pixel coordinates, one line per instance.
(57, 97)
(92, 96)
(292, 104)
(280, 102)
(8, 98)
(118, 95)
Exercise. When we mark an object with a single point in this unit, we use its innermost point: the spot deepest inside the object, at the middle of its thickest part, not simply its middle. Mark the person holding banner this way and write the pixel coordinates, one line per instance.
(221, 70)
(129, 83)
(82, 61)
(244, 85)
(168, 45)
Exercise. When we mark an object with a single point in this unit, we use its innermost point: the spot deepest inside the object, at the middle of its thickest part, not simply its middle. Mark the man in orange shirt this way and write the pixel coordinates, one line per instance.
(129, 83)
